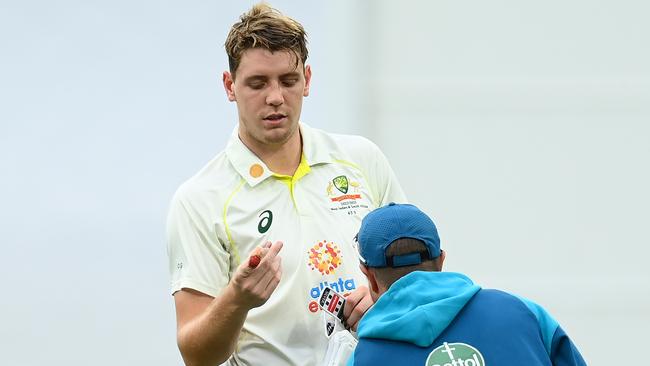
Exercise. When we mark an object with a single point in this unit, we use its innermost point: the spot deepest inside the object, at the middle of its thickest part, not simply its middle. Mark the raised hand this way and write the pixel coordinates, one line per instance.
(256, 278)
(356, 304)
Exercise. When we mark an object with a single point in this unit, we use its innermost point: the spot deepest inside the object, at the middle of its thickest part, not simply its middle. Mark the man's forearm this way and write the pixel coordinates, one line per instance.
(211, 337)
(209, 328)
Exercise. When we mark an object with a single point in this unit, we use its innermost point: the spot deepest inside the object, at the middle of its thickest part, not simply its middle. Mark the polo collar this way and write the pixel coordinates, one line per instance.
(252, 169)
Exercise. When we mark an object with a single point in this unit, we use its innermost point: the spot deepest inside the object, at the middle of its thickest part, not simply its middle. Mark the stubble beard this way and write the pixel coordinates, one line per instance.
(278, 136)
(272, 138)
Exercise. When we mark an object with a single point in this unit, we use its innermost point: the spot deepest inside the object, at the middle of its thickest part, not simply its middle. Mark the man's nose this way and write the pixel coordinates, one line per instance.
(275, 97)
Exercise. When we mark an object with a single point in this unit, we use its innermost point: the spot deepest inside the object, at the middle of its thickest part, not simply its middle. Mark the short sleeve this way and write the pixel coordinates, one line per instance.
(387, 188)
(197, 259)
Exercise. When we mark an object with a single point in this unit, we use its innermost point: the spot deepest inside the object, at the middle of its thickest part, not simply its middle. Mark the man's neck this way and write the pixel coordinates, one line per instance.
(283, 158)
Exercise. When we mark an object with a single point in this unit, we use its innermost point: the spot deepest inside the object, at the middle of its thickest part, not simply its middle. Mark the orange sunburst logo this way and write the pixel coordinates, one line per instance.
(324, 257)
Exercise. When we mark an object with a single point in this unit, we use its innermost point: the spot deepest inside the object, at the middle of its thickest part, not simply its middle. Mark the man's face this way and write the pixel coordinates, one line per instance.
(268, 88)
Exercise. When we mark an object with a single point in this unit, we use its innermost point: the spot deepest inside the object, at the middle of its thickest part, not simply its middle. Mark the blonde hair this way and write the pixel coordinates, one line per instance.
(267, 28)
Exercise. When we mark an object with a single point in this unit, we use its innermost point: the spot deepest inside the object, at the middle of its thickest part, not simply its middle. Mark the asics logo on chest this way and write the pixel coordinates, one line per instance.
(266, 220)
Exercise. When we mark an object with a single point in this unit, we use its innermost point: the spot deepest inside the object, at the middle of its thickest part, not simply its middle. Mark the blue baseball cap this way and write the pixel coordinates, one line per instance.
(381, 227)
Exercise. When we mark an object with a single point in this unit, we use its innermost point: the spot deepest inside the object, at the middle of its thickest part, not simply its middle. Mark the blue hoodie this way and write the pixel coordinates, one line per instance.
(444, 319)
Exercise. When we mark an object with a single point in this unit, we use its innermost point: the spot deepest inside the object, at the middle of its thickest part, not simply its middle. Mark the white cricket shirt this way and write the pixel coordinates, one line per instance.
(235, 204)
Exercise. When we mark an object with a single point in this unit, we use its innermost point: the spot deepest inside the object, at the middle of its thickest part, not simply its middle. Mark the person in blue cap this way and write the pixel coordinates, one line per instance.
(423, 316)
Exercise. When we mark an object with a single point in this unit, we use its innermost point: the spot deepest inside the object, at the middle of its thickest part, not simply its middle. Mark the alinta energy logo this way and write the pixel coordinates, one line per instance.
(455, 354)
(325, 257)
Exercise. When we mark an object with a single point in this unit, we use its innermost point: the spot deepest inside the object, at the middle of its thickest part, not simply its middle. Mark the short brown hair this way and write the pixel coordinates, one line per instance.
(265, 27)
(403, 246)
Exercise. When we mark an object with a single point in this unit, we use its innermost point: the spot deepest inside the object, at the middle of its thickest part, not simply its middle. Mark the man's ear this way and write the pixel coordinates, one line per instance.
(305, 91)
(440, 260)
(372, 280)
(229, 86)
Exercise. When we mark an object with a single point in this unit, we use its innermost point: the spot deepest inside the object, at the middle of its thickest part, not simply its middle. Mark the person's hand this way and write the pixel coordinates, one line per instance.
(356, 304)
(253, 285)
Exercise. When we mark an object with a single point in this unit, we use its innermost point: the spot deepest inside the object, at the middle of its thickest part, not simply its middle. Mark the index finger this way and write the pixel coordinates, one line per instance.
(274, 250)
(261, 252)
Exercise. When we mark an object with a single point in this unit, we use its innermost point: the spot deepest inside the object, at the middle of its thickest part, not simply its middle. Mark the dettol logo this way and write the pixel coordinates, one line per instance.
(455, 354)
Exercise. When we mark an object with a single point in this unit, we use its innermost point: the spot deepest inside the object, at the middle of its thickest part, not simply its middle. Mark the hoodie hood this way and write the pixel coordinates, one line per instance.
(418, 307)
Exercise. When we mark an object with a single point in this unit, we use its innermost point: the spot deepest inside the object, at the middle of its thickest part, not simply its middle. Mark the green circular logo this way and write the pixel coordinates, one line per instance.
(455, 354)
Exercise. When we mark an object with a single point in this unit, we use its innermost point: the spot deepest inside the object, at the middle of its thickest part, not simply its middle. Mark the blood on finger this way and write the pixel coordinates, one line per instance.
(254, 261)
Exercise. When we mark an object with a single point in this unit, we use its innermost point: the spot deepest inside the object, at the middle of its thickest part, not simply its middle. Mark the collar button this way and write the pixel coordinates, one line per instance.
(256, 170)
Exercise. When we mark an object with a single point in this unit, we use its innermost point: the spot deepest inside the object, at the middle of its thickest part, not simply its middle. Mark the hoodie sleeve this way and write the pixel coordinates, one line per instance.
(563, 351)
(560, 348)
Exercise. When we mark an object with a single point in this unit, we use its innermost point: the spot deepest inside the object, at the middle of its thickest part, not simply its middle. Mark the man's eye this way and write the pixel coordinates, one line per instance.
(256, 85)
(290, 82)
